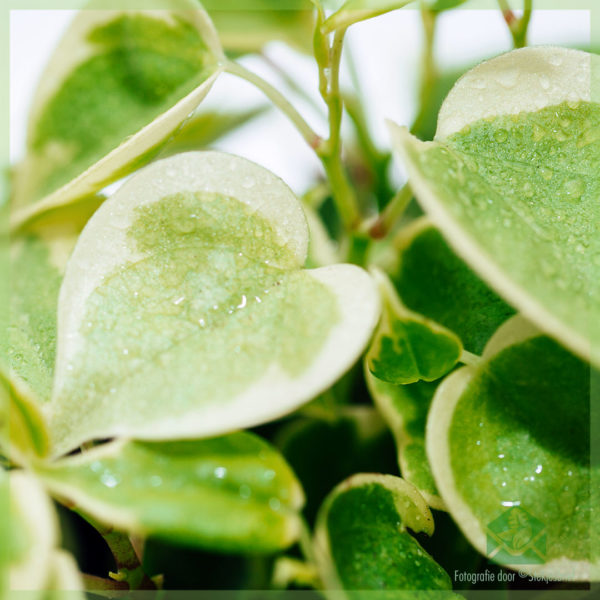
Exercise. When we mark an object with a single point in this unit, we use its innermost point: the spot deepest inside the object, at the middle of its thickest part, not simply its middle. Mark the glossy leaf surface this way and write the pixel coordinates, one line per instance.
(407, 347)
(234, 493)
(115, 89)
(509, 446)
(434, 282)
(362, 542)
(512, 182)
(185, 312)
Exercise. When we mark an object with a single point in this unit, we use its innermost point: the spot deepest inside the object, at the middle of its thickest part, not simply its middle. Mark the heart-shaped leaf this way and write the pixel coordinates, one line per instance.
(434, 282)
(405, 408)
(509, 447)
(512, 181)
(407, 347)
(362, 542)
(234, 493)
(118, 85)
(184, 311)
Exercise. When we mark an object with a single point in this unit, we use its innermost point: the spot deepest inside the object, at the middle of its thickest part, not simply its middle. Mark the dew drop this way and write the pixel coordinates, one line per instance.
(538, 133)
(546, 173)
(96, 466)
(508, 78)
(574, 189)
(501, 136)
(479, 83)
(544, 82)
(555, 60)
(269, 475)
(155, 481)
(560, 136)
(109, 480)
(184, 226)
(220, 473)
(527, 190)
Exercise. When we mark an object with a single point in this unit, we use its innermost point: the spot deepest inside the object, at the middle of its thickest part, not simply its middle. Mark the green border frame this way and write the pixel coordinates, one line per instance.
(592, 6)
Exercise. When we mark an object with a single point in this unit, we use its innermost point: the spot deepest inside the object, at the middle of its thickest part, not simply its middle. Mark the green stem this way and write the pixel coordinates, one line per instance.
(108, 588)
(392, 213)
(377, 161)
(429, 71)
(518, 27)
(330, 150)
(521, 40)
(278, 99)
(129, 568)
(292, 83)
(306, 543)
(468, 358)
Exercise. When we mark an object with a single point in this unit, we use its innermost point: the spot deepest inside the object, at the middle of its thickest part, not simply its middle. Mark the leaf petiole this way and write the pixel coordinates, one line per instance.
(328, 55)
(518, 26)
(392, 213)
(278, 99)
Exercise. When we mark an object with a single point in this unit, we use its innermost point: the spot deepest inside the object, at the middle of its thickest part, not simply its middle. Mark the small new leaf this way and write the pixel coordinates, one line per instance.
(354, 11)
(408, 347)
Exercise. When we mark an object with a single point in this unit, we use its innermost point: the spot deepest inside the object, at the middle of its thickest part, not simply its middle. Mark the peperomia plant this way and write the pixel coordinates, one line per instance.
(201, 368)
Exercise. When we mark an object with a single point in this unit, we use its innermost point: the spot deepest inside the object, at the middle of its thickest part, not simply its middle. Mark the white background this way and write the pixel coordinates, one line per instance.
(386, 51)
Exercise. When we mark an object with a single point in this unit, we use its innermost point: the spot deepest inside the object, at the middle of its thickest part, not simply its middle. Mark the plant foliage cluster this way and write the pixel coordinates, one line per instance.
(229, 386)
